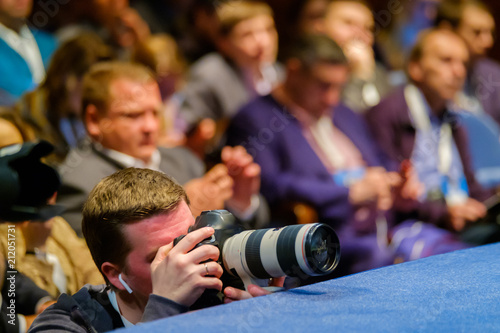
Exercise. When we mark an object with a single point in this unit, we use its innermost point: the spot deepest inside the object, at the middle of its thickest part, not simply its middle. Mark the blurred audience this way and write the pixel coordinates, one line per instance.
(197, 35)
(161, 54)
(121, 104)
(13, 129)
(415, 123)
(437, 138)
(52, 256)
(47, 251)
(24, 51)
(220, 83)
(478, 101)
(30, 301)
(474, 22)
(398, 26)
(53, 109)
(351, 24)
(312, 149)
(31, 184)
(114, 21)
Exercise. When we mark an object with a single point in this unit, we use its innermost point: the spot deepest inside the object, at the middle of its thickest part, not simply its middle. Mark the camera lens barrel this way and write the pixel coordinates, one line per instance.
(311, 249)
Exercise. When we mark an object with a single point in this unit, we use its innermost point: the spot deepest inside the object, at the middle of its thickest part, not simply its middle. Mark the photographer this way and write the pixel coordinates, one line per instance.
(129, 222)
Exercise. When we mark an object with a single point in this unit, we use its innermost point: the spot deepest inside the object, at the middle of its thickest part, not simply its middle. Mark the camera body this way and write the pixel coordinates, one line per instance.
(254, 256)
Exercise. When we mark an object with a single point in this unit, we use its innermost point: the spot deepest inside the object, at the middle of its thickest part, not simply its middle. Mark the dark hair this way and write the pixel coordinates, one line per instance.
(313, 49)
(417, 52)
(127, 196)
(69, 63)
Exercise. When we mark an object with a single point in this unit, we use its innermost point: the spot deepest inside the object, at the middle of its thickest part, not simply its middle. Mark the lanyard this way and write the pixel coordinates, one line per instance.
(418, 112)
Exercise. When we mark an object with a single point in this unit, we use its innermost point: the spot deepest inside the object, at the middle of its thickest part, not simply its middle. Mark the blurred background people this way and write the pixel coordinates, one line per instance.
(53, 109)
(478, 101)
(415, 123)
(351, 24)
(312, 149)
(25, 52)
(121, 104)
(474, 22)
(41, 246)
(47, 250)
(161, 54)
(245, 67)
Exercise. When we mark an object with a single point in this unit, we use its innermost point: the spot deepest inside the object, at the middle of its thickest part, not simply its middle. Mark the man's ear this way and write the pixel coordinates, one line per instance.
(92, 121)
(415, 71)
(112, 271)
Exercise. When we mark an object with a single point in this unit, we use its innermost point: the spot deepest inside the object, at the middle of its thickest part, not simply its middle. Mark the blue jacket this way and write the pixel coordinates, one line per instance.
(15, 75)
(291, 170)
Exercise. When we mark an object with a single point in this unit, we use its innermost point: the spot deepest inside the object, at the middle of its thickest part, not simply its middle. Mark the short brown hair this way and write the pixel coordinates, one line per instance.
(452, 11)
(417, 52)
(311, 49)
(233, 12)
(127, 196)
(97, 81)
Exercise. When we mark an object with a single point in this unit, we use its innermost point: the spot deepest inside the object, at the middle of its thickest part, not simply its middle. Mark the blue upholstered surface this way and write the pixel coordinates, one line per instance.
(455, 292)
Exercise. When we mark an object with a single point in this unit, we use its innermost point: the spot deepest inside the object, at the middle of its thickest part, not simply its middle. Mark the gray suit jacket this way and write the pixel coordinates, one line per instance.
(216, 89)
(85, 167)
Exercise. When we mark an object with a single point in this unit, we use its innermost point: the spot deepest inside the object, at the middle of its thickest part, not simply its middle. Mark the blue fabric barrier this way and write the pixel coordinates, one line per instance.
(454, 292)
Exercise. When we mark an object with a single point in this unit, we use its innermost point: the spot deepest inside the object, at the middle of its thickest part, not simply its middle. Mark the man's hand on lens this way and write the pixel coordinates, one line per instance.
(182, 274)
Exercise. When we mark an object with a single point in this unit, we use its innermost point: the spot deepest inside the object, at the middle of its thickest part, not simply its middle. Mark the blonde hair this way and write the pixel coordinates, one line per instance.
(161, 54)
(98, 80)
(233, 12)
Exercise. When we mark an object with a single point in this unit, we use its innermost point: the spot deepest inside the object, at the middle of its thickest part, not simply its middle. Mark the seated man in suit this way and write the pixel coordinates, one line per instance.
(313, 150)
(474, 22)
(24, 52)
(414, 123)
(220, 83)
(478, 103)
(121, 104)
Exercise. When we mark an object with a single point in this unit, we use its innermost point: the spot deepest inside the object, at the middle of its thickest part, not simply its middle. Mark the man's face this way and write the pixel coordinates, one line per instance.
(131, 123)
(476, 28)
(349, 21)
(16, 8)
(252, 42)
(319, 89)
(145, 238)
(442, 68)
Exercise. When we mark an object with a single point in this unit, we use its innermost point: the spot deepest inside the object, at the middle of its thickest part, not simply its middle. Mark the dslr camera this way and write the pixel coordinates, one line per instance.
(254, 256)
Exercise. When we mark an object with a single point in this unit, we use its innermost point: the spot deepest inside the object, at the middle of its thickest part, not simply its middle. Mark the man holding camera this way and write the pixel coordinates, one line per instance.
(130, 221)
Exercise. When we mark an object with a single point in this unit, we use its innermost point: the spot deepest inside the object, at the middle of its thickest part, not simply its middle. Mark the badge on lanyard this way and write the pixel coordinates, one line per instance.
(454, 191)
(347, 177)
